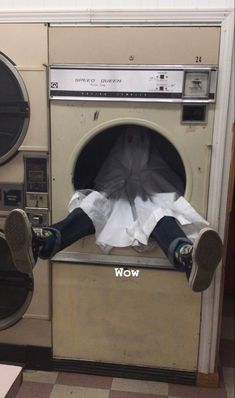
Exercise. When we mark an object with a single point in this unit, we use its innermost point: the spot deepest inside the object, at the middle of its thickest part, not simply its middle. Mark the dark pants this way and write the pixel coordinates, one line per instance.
(169, 234)
(77, 225)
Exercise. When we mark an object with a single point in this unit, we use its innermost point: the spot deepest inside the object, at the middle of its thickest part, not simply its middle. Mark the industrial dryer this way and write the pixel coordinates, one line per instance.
(24, 146)
(163, 79)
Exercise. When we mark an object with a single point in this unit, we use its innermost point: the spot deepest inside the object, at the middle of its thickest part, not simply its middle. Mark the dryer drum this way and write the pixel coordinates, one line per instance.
(16, 288)
(14, 109)
(93, 155)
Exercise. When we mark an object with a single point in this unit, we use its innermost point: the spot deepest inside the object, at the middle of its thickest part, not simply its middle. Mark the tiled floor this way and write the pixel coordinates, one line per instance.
(38, 384)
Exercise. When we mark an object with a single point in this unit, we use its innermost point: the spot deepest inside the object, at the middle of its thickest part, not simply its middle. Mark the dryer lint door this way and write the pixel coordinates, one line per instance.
(16, 288)
(14, 109)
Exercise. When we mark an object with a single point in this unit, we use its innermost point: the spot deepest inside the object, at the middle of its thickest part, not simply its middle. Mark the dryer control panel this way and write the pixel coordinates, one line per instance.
(140, 83)
(36, 190)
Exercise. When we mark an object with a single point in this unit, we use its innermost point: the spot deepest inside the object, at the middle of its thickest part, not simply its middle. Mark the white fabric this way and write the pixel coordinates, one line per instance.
(135, 188)
(136, 167)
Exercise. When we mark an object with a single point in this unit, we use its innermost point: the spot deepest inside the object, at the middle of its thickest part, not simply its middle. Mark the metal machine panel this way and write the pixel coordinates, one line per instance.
(14, 109)
(134, 45)
(132, 320)
(158, 83)
(150, 320)
(83, 126)
(24, 48)
(37, 137)
(25, 44)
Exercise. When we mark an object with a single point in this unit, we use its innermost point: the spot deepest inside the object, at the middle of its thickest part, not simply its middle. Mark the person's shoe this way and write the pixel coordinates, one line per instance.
(19, 236)
(206, 255)
(24, 241)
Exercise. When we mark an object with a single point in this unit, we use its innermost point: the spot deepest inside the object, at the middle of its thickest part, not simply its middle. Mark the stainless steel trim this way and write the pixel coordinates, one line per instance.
(20, 81)
(111, 260)
(213, 81)
(43, 210)
(131, 99)
(142, 66)
(184, 68)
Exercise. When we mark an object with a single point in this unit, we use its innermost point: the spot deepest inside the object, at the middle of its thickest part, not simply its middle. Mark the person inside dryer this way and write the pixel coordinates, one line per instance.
(136, 202)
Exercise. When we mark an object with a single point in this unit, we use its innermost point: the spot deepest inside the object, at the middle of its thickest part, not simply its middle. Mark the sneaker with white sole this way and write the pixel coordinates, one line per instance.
(19, 235)
(24, 241)
(206, 255)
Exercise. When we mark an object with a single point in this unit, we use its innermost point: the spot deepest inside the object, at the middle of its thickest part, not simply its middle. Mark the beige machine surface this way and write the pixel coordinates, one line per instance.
(153, 319)
(133, 45)
(25, 47)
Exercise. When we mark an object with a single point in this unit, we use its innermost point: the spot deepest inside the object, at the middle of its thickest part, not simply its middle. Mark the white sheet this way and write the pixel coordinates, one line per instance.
(134, 189)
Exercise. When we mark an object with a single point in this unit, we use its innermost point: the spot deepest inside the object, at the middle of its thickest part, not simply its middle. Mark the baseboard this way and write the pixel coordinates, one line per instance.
(208, 380)
(125, 371)
(40, 358)
(28, 356)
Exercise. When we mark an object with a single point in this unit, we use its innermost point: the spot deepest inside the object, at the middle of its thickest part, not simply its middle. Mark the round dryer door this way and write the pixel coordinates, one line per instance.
(93, 155)
(14, 109)
(16, 288)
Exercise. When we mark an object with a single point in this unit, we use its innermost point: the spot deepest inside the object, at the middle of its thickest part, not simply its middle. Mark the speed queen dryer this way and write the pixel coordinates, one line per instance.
(102, 80)
(23, 175)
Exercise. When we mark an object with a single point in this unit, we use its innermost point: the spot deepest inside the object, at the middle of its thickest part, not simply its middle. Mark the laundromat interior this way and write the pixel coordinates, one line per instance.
(57, 127)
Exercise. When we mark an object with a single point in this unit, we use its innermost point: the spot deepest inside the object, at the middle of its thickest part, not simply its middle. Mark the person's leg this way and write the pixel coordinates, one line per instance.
(173, 241)
(199, 259)
(27, 243)
(74, 227)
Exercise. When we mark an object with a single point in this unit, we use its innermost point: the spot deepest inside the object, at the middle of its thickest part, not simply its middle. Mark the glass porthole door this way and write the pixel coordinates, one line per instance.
(14, 109)
(16, 288)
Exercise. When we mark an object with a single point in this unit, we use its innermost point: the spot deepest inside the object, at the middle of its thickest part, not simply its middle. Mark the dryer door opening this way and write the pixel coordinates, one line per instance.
(16, 288)
(93, 155)
(14, 109)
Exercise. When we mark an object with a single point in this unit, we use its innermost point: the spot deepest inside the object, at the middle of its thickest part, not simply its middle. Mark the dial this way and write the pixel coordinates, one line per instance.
(196, 84)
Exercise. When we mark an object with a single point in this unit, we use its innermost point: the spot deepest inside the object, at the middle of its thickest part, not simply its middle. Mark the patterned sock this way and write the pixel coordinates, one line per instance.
(49, 243)
(44, 241)
(183, 257)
